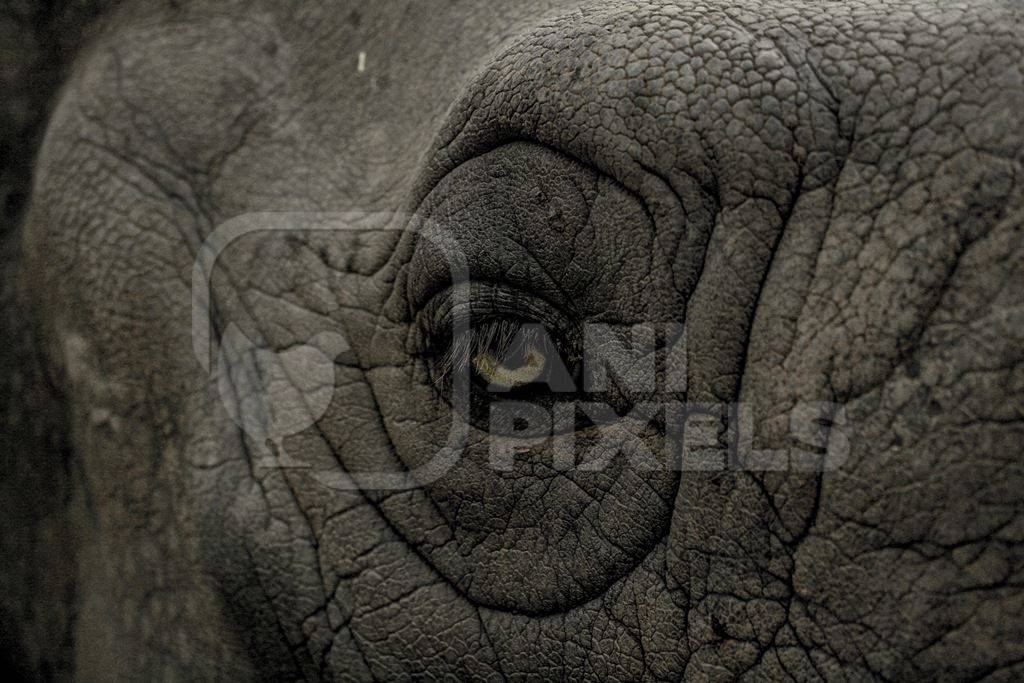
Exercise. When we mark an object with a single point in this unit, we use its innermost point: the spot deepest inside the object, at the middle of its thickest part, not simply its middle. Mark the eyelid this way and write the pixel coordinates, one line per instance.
(488, 302)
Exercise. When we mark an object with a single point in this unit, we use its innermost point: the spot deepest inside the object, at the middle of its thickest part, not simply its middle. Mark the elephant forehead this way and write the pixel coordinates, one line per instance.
(668, 89)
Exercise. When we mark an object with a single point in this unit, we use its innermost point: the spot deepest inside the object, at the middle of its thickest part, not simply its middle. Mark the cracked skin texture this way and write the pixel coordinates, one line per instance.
(828, 194)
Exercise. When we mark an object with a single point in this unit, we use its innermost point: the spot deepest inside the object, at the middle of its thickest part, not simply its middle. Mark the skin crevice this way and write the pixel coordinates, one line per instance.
(826, 196)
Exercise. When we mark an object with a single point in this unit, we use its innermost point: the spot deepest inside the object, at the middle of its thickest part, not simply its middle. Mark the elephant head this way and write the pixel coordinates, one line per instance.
(604, 340)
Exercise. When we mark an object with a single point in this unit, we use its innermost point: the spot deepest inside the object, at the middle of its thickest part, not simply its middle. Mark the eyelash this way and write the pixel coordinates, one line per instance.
(459, 351)
(461, 323)
(499, 338)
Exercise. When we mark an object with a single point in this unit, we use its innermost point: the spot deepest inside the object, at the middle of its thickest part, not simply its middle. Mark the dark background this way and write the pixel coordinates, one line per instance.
(38, 41)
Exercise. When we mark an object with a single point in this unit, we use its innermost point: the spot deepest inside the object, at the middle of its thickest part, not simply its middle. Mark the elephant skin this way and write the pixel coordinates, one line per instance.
(827, 198)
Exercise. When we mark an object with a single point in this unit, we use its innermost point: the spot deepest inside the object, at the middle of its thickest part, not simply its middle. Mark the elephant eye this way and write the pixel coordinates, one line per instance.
(491, 344)
(509, 355)
(507, 359)
(511, 372)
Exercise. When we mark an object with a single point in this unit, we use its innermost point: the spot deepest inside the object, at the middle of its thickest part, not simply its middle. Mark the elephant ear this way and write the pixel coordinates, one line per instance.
(36, 585)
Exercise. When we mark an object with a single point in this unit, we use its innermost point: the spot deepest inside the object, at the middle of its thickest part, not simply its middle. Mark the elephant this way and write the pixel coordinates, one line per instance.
(623, 340)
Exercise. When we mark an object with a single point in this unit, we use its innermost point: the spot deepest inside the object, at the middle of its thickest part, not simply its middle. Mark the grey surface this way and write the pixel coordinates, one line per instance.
(829, 194)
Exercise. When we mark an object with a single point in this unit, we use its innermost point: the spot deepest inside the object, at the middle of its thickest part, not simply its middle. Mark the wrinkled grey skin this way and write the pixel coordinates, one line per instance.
(829, 194)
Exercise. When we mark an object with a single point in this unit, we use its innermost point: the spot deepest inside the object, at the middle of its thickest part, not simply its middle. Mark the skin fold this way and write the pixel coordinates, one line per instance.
(827, 195)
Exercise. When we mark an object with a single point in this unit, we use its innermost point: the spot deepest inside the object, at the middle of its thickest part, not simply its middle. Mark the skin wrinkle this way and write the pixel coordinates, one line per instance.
(425, 293)
(532, 611)
(757, 576)
(383, 516)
